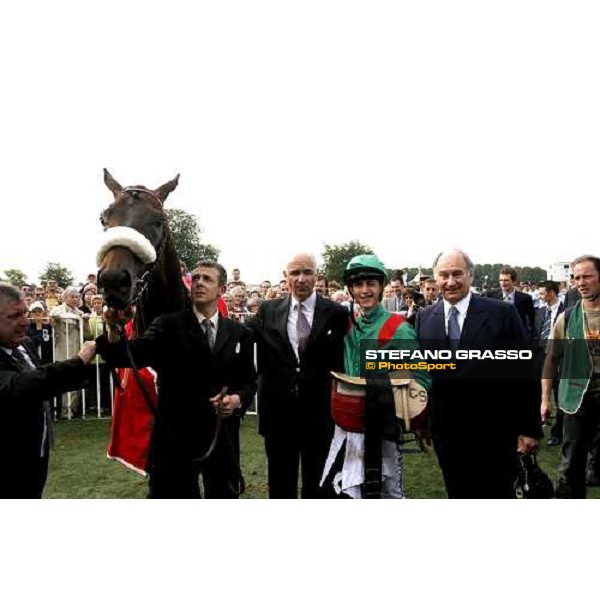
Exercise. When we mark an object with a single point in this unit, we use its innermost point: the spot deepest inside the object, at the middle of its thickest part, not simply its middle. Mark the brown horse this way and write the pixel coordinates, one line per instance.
(137, 260)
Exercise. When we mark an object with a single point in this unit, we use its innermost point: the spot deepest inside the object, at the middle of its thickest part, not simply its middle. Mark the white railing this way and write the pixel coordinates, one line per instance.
(69, 350)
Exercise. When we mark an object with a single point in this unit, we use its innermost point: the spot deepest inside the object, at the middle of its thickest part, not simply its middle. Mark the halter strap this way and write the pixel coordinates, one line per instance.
(152, 194)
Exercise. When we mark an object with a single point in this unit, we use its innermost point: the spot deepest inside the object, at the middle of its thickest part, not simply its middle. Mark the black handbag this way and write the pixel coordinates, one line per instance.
(531, 481)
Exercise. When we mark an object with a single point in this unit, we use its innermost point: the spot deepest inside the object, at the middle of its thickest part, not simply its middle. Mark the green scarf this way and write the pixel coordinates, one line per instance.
(576, 367)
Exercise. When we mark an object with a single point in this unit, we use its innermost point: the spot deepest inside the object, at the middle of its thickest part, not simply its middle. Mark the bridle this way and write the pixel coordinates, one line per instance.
(141, 283)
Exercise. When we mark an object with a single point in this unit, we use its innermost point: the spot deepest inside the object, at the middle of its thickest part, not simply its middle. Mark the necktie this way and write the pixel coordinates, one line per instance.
(453, 328)
(302, 328)
(546, 327)
(19, 358)
(506, 297)
(210, 333)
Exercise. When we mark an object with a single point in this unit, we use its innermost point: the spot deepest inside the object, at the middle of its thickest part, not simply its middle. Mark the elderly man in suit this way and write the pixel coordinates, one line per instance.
(25, 389)
(300, 340)
(202, 360)
(484, 411)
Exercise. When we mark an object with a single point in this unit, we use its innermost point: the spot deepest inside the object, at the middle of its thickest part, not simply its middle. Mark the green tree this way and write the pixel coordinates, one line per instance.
(186, 231)
(58, 272)
(15, 277)
(335, 258)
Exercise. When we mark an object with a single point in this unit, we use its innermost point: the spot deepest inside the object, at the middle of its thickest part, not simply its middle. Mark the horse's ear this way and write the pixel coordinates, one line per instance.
(112, 184)
(164, 190)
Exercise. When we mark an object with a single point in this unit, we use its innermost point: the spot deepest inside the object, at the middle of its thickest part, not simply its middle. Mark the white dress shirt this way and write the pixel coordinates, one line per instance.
(462, 306)
(292, 322)
(214, 320)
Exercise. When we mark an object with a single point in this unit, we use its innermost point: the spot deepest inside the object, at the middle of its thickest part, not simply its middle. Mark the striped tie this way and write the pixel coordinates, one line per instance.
(302, 327)
(546, 327)
(210, 333)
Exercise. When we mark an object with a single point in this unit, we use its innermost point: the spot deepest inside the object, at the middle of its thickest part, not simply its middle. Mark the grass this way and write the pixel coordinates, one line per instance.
(79, 467)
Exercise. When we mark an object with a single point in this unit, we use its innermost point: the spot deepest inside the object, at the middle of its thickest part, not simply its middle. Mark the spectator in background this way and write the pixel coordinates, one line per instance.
(186, 277)
(67, 321)
(340, 297)
(334, 286)
(265, 286)
(283, 290)
(396, 303)
(102, 382)
(40, 332)
(52, 295)
(240, 299)
(89, 291)
(387, 292)
(322, 287)
(253, 306)
(521, 301)
(235, 279)
(431, 291)
(228, 298)
(414, 301)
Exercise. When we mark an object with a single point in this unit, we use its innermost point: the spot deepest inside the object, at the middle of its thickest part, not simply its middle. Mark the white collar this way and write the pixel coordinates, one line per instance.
(309, 303)
(214, 319)
(462, 305)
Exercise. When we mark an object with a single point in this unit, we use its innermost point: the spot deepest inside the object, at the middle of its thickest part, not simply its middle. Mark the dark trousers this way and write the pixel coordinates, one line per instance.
(286, 453)
(173, 475)
(478, 473)
(579, 431)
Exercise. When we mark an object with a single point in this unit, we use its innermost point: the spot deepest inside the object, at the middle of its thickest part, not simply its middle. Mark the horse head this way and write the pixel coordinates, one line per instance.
(135, 237)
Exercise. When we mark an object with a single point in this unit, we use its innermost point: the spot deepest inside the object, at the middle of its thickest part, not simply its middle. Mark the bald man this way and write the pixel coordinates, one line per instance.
(300, 340)
(484, 411)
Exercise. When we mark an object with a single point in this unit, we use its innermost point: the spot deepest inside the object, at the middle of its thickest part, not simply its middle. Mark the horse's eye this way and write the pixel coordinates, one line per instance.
(158, 223)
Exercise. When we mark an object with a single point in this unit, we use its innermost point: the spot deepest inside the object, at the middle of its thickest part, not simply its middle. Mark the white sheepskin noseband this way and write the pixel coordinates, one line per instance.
(130, 238)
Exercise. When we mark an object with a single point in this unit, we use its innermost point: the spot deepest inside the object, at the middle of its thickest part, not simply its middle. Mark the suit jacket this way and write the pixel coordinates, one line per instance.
(189, 374)
(390, 304)
(540, 316)
(524, 305)
(24, 397)
(485, 396)
(291, 392)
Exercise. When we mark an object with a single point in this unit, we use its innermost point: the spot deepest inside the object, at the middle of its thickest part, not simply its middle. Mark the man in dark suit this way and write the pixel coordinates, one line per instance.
(300, 340)
(25, 390)
(202, 361)
(478, 421)
(545, 318)
(522, 302)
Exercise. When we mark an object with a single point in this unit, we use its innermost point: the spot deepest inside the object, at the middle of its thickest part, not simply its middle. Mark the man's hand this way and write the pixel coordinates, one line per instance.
(87, 352)
(228, 403)
(527, 445)
(545, 409)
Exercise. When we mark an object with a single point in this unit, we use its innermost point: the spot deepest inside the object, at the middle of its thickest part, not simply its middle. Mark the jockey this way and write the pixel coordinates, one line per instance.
(365, 277)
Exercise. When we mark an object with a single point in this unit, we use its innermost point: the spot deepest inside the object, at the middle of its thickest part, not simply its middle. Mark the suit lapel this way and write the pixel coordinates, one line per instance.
(281, 320)
(438, 326)
(194, 328)
(223, 333)
(474, 320)
(318, 320)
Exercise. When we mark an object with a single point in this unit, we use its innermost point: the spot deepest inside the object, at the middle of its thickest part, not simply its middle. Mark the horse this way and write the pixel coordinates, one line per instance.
(137, 261)
(138, 267)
